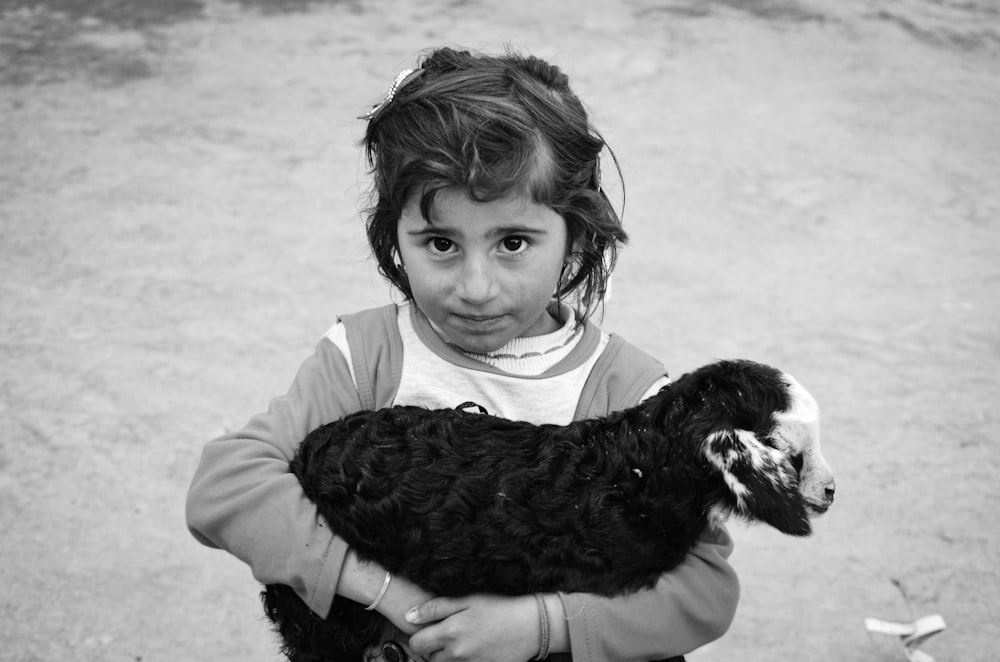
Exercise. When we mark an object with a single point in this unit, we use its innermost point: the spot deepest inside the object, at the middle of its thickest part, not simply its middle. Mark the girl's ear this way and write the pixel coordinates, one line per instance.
(574, 247)
(762, 483)
(569, 272)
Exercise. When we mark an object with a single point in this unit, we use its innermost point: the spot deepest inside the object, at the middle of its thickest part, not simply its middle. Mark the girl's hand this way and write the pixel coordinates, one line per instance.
(484, 628)
(362, 581)
(402, 596)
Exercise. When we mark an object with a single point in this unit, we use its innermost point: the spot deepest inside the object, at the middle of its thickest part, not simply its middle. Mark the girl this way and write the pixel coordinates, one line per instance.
(489, 218)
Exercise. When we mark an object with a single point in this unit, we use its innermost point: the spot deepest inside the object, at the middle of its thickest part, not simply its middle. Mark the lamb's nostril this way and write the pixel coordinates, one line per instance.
(829, 494)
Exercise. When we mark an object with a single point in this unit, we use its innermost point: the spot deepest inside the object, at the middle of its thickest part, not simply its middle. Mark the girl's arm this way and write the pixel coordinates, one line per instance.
(688, 607)
(244, 500)
(362, 582)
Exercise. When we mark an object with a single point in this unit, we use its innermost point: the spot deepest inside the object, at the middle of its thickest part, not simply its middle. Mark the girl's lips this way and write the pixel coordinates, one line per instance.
(477, 318)
(480, 322)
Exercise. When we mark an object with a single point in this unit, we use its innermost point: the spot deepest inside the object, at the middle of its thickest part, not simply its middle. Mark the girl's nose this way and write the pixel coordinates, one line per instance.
(478, 281)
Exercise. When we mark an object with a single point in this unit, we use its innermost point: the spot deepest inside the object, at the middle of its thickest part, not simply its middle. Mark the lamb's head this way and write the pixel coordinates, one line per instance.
(773, 469)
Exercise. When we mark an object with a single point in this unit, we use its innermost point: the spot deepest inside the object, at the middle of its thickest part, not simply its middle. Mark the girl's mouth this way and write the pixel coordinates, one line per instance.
(478, 322)
(477, 319)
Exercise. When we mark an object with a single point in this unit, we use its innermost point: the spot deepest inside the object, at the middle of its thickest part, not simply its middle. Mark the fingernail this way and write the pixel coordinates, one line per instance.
(411, 616)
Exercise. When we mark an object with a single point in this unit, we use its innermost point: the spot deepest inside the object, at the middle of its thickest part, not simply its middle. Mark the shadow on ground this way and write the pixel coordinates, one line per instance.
(113, 42)
(108, 42)
(133, 14)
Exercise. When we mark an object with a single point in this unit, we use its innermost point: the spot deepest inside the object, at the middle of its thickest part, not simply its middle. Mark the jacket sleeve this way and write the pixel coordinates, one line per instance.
(243, 499)
(688, 607)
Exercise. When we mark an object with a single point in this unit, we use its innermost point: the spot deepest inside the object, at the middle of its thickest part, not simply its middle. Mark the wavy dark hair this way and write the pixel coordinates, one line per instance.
(494, 125)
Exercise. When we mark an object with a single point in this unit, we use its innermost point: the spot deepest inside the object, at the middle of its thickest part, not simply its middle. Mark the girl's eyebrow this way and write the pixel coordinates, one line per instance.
(430, 229)
(506, 230)
(501, 231)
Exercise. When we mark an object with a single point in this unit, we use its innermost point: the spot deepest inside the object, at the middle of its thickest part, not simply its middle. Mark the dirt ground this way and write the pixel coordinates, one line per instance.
(809, 184)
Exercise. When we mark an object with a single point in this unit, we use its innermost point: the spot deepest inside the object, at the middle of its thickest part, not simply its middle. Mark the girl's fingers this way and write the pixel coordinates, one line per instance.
(433, 610)
(433, 637)
(425, 643)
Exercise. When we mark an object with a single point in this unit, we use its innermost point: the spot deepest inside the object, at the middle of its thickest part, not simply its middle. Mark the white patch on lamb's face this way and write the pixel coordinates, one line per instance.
(762, 457)
(761, 481)
(796, 431)
(724, 460)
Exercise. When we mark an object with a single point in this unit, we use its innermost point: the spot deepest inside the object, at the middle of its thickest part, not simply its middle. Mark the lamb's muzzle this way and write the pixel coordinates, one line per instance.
(798, 427)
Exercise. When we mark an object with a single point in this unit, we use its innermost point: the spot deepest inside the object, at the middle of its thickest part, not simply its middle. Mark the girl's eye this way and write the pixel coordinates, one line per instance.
(441, 245)
(514, 244)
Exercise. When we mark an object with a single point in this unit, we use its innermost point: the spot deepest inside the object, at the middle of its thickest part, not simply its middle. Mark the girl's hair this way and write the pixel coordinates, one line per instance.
(494, 125)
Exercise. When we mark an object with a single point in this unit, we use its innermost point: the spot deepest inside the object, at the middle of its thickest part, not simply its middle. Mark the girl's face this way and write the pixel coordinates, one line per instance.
(483, 272)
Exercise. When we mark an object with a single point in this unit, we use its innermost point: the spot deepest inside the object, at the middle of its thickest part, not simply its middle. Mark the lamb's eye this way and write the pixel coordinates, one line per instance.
(393, 652)
(797, 463)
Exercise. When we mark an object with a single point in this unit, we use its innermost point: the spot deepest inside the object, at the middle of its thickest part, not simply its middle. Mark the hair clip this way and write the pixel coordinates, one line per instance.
(396, 84)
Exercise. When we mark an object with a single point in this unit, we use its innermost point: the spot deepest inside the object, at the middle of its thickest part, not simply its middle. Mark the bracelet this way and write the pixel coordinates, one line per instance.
(543, 624)
(381, 592)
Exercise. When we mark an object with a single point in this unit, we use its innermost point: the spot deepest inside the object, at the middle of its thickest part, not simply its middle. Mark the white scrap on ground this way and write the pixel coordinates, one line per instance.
(910, 634)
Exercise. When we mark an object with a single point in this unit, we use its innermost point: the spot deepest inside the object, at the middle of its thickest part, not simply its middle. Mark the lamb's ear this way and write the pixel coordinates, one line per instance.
(763, 484)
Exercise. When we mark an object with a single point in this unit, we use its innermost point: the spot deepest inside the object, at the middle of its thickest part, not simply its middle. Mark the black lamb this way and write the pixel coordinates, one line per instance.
(462, 502)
